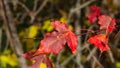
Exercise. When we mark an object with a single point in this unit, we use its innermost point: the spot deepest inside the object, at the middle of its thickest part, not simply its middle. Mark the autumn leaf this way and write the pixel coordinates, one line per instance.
(59, 26)
(107, 23)
(39, 59)
(94, 13)
(70, 37)
(55, 41)
(72, 42)
(100, 41)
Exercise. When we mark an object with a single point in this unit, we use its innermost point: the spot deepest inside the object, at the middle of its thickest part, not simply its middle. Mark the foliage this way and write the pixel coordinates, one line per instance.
(54, 42)
(62, 34)
(6, 59)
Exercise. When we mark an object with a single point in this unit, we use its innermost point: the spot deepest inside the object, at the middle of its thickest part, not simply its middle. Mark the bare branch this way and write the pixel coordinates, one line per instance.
(67, 61)
(82, 6)
(91, 54)
(111, 57)
(41, 7)
(78, 26)
(73, 10)
(0, 38)
(24, 6)
(11, 33)
(58, 60)
(35, 5)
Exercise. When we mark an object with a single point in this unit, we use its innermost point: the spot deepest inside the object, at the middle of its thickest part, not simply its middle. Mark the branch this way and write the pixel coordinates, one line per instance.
(111, 56)
(82, 6)
(78, 26)
(73, 10)
(58, 60)
(35, 5)
(67, 61)
(115, 52)
(0, 38)
(41, 7)
(91, 54)
(11, 33)
(24, 6)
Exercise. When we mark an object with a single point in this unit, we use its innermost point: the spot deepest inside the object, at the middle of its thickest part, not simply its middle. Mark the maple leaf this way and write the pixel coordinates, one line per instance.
(100, 41)
(28, 55)
(59, 26)
(55, 41)
(94, 13)
(72, 42)
(41, 58)
(70, 37)
(107, 23)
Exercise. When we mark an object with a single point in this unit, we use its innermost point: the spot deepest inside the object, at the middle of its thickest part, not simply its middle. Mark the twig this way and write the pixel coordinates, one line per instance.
(73, 10)
(111, 56)
(7, 44)
(78, 26)
(115, 51)
(58, 60)
(24, 6)
(41, 7)
(11, 33)
(82, 6)
(0, 38)
(91, 54)
(35, 13)
(67, 61)
(35, 5)
(93, 64)
(95, 59)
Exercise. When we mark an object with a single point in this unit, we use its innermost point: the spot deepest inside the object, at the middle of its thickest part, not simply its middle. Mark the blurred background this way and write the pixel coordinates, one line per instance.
(23, 23)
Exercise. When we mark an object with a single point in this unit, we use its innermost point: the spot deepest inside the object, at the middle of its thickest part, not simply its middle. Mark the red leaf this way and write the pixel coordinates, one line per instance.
(55, 41)
(94, 13)
(41, 58)
(28, 55)
(107, 23)
(100, 41)
(59, 26)
(72, 42)
(111, 26)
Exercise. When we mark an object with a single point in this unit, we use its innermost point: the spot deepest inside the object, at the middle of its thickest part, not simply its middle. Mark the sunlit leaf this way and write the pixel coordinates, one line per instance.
(100, 41)
(33, 30)
(63, 19)
(47, 26)
(55, 41)
(107, 23)
(8, 59)
(43, 65)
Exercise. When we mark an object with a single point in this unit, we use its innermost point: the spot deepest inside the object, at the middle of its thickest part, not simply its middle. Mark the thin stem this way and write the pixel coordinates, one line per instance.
(35, 5)
(30, 38)
(24, 6)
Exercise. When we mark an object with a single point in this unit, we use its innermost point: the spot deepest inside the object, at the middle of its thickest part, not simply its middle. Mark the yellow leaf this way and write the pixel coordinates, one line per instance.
(63, 19)
(117, 64)
(33, 30)
(43, 65)
(70, 27)
(47, 26)
(8, 59)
